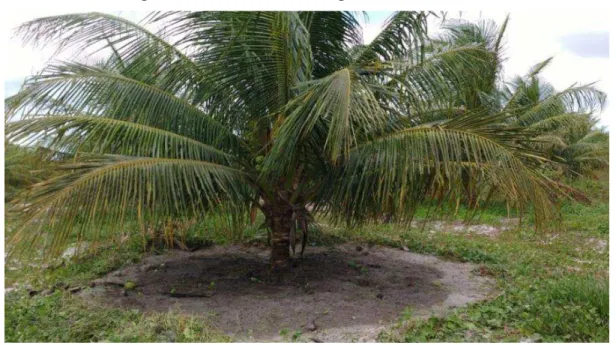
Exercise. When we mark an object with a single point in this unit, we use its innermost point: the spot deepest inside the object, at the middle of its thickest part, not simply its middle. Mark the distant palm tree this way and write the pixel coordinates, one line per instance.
(284, 111)
(564, 122)
(583, 153)
(556, 119)
(24, 167)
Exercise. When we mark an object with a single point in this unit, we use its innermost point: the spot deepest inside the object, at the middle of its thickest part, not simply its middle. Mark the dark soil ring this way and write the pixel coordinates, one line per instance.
(342, 294)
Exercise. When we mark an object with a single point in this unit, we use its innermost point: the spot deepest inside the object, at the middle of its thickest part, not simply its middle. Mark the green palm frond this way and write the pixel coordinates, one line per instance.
(109, 94)
(395, 173)
(584, 98)
(484, 32)
(567, 121)
(536, 69)
(596, 136)
(332, 34)
(94, 32)
(548, 142)
(106, 135)
(438, 80)
(481, 92)
(99, 191)
(402, 37)
(25, 166)
(253, 58)
(559, 120)
(339, 109)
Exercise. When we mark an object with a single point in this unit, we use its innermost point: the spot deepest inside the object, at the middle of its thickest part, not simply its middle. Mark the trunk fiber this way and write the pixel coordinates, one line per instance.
(279, 219)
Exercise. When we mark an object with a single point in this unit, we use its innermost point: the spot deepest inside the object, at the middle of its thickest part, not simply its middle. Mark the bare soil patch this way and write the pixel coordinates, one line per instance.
(340, 294)
(457, 226)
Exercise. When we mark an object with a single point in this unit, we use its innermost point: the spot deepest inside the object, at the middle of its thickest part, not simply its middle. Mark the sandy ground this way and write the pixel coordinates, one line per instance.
(492, 231)
(347, 293)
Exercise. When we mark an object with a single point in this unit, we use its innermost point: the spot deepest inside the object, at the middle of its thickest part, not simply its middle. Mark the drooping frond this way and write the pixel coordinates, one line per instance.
(95, 32)
(108, 94)
(392, 175)
(109, 189)
(98, 134)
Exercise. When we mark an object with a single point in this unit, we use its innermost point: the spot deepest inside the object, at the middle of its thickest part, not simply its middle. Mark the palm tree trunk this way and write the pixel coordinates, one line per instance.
(279, 218)
(471, 193)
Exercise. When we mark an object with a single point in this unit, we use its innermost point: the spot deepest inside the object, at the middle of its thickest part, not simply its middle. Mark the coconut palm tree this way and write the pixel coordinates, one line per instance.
(558, 119)
(282, 111)
(24, 167)
(563, 122)
(585, 152)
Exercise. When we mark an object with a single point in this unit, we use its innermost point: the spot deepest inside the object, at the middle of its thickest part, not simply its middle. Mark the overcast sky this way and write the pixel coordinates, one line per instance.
(577, 39)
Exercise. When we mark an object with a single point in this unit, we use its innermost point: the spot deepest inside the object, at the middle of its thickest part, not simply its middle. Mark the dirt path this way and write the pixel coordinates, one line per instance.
(342, 294)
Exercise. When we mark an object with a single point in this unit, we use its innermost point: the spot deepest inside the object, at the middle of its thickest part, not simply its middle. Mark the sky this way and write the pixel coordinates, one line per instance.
(577, 39)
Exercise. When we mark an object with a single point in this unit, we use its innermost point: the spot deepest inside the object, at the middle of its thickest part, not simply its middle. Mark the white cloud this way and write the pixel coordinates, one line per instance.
(588, 44)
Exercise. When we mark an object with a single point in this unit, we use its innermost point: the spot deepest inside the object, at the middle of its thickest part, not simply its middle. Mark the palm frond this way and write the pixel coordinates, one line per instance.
(402, 36)
(332, 34)
(111, 189)
(567, 121)
(392, 175)
(584, 98)
(95, 32)
(440, 78)
(252, 58)
(107, 135)
(331, 114)
(104, 93)
(538, 68)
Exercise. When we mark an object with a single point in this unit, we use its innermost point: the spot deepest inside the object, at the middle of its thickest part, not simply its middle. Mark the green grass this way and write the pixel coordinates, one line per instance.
(591, 218)
(568, 309)
(75, 271)
(553, 285)
(63, 318)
